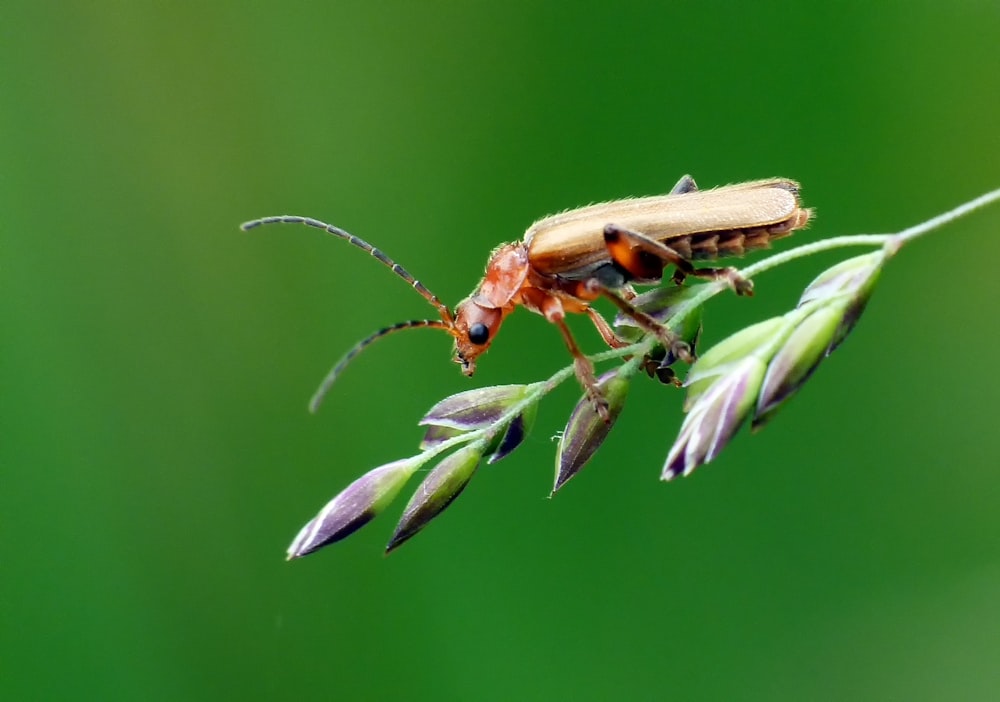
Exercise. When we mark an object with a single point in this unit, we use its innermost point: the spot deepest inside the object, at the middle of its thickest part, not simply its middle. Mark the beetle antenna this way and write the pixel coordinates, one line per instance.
(335, 372)
(364, 246)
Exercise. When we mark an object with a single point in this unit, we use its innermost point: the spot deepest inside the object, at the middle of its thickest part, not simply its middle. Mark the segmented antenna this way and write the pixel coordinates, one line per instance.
(447, 321)
(364, 246)
(331, 377)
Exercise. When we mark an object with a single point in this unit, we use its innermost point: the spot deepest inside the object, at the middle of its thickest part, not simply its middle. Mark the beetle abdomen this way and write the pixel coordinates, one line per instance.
(707, 246)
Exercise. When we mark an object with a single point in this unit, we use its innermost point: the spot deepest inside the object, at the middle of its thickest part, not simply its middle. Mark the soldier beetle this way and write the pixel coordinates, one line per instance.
(568, 260)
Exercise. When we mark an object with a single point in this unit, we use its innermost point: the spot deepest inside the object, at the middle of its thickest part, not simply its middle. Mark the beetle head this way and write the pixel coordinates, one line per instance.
(478, 317)
(476, 323)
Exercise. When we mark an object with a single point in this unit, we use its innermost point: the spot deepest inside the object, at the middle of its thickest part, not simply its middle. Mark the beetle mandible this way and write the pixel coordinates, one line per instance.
(567, 261)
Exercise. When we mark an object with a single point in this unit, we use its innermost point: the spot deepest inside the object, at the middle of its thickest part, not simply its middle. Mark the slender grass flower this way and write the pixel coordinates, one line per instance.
(745, 377)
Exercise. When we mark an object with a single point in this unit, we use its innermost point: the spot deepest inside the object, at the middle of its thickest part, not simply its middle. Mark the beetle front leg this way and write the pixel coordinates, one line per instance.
(553, 311)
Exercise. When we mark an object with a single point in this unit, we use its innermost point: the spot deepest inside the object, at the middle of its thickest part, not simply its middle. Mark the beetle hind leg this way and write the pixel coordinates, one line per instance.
(731, 276)
(644, 259)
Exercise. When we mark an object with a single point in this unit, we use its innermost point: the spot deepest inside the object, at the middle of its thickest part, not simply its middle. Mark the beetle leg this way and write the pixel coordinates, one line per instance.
(645, 259)
(553, 311)
(653, 366)
(669, 339)
(605, 330)
(685, 185)
(584, 371)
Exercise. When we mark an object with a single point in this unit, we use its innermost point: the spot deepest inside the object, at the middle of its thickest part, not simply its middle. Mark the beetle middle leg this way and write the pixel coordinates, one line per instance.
(645, 259)
(605, 330)
(669, 339)
(653, 365)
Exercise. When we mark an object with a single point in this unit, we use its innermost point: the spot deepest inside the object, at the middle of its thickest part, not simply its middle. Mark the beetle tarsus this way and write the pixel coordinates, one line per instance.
(585, 374)
(739, 284)
(655, 368)
(677, 346)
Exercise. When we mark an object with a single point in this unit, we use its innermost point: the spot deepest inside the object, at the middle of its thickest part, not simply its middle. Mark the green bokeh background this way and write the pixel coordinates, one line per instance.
(157, 456)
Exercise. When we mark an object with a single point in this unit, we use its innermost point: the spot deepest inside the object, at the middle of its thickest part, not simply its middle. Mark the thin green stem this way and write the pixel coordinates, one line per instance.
(536, 391)
(913, 232)
(891, 243)
(710, 290)
(836, 242)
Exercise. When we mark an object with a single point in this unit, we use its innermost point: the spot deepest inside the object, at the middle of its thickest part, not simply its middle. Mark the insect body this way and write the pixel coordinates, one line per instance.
(566, 261)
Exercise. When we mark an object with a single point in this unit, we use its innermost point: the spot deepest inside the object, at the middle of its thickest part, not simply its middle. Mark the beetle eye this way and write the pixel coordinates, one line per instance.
(479, 334)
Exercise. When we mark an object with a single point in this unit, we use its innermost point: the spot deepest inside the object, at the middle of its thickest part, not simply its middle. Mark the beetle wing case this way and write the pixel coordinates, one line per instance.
(703, 225)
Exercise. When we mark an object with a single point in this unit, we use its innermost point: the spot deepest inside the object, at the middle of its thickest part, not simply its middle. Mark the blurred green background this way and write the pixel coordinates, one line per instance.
(157, 456)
